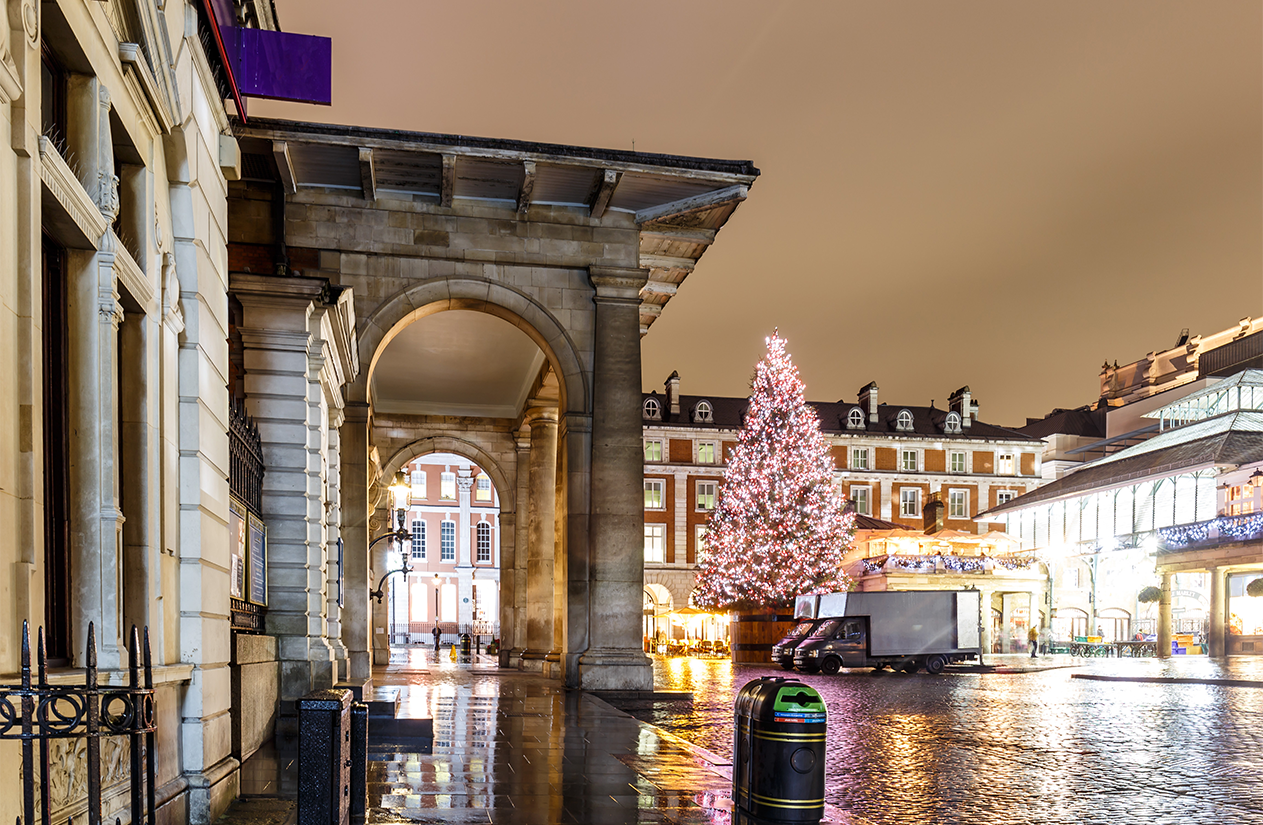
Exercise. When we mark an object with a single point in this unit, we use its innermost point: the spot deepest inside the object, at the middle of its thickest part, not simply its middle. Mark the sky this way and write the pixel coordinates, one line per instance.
(1000, 194)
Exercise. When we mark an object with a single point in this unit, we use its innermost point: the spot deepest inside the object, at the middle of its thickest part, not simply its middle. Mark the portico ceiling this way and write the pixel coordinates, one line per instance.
(457, 363)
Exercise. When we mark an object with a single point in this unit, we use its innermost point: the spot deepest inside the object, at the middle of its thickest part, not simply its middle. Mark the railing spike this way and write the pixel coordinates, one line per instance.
(26, 654)
(91, 653)
(43, 659)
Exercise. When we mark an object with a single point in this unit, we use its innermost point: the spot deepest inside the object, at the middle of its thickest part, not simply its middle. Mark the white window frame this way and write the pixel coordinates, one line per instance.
(447, 541)
(952, 495)
(1005, 496)
(651, 409)
(417, 550)
(904, 452)
(867, 509)
(416, 481)
(655, 543)
(447, 484)
(904, 421)
(704, 412)
(855, 419)
(858, 463)
(699, 541)
(714, 451)
(661, 451)
(964, 461)
(482, 533)
(1011, 457)
(482, 484)
(952, 423)
(906, 511)
(713, 494)
(655, 487)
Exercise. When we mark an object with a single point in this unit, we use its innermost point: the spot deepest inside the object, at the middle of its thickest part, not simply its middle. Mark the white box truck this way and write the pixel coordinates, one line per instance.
(905, 630)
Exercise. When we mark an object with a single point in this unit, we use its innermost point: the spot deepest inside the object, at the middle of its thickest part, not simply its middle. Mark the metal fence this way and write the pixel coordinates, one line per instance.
(36, 712)
(422, 633)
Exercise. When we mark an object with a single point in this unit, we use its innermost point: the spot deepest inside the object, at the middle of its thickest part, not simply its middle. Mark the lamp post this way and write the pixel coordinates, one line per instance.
(399, 490)
(438, 632)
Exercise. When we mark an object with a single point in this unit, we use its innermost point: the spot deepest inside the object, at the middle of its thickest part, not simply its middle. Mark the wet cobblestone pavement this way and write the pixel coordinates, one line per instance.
(1030, 745)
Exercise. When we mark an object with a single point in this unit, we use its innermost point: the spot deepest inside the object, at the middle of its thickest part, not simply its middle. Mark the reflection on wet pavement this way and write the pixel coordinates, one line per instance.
(1007, 747)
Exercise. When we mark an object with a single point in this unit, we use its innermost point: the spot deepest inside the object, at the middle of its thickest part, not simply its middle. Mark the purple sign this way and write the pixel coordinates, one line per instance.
(280, 65)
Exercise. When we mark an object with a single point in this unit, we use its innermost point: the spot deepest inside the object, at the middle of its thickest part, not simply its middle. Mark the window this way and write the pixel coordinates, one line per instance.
(903, 421)
(859, 458)
(417, 481)
(447, 541)
(855, 419)
(706, 451)
(1071, 577)
(53, 106)
(700, 544)
(56, 362)
(958, 504)
(1004, 464)
(653, 409)
(702, 413)
(908, 461)
(653, 450)
(654, 498)
(655, 542)
(909, 502)
(418, 539)
(860, 496)
(482, 488)
(1240, 498)
(1004, 497)
(952, 425)
(956, 462)
(447, 486)
(706, 493)
(483, 533)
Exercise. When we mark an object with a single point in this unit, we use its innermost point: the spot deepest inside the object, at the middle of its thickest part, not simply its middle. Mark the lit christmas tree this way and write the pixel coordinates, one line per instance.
(778, 529)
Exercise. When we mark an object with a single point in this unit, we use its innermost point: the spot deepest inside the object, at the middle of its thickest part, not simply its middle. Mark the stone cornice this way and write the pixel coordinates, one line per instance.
(130, 275)
(68, 191)
(10, 83)
(616, 282)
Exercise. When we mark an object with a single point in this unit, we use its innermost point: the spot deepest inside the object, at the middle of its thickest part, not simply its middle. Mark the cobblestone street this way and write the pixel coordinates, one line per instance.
(1037, 746)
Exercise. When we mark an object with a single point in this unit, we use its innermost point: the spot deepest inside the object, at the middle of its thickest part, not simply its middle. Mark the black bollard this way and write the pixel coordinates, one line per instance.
(778, 751)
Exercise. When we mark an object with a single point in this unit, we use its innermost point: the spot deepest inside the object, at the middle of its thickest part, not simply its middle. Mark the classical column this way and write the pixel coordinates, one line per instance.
(1217, 637)
(355, 625)
(464, 561)
(335, 550)
(1164, 616)
(615, 658)
(541, 537)
(513, 562)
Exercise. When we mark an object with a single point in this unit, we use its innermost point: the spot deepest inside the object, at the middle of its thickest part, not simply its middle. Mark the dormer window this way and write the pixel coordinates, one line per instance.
(952, 425)
(702, 413)
(855, 419)
(652, 409)
(903, 421)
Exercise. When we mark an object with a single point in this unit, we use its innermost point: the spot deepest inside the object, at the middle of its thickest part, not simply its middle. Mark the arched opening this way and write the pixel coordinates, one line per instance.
(657, 627)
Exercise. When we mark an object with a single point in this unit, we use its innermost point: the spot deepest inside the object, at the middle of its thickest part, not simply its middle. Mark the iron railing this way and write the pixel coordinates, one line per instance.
(36, 713)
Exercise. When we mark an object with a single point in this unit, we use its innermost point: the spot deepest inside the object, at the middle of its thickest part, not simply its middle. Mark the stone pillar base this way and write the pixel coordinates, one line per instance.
(615, 669)
(211, 791)
(510, 658)
(532, 661)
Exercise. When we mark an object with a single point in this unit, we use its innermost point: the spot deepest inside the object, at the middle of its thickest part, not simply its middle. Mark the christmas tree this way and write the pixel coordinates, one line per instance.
(778, 529)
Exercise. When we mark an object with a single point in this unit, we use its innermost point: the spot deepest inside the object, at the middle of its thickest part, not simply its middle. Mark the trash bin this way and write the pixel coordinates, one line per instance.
(466, 644)
(324, 757)
(778, 751)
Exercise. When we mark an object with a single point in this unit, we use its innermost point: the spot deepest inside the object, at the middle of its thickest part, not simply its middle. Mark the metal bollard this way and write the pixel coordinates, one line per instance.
(359, 763)
(779, 751)
(466, 644)
(324, 757)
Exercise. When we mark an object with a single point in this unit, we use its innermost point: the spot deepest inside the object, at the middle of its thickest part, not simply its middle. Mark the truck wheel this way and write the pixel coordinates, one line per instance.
(786, 665)
(831, 665)
(911, 667)
(934, 664)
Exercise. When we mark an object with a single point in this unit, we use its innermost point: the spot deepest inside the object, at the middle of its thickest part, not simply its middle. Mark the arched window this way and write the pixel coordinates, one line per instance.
(903, 421)
(855, 419)
(953, 422)
(702, 413)
(484, 542)
(653, 409)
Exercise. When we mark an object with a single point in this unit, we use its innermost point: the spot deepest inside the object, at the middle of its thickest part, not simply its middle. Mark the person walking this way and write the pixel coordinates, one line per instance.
(1032, 639)
(437, 634)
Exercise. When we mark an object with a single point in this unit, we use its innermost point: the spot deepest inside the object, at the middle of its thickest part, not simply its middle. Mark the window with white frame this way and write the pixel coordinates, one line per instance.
(956, 462)
(654, 494)
(952, 424)
(418, 539)
(860, 495)
(910, 501)
(653, 409)
(703, 413)
(706, 494)
(417, 481)
(706, 452)
(653, 450)
(700, 542)
(483, 541)
(1004, 464)
(482, 488)
(447, 486)
(958, 504)
(859, 458)
(855, 419)
(903, 421)
(655, 543)
(908, 460)
(1004, 497)
(447, 541)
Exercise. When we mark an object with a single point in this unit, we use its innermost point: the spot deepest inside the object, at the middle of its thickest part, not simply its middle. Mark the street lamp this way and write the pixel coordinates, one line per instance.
(399, 490)
(436, 601)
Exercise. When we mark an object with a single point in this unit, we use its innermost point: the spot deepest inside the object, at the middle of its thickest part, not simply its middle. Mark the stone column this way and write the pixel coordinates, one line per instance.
(575, 434)
(464, 560)
(1217, 636)
(513, 564)
(1164, 617)
(615, 658)
(984, 599)
(355, 624)
(335, 568)
(541, 537)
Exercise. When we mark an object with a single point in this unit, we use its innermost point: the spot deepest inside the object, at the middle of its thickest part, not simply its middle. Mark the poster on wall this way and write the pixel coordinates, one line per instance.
(258, 562)
(237, 519)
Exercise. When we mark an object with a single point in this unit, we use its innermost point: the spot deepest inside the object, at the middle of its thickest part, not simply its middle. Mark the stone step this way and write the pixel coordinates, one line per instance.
(383, 703)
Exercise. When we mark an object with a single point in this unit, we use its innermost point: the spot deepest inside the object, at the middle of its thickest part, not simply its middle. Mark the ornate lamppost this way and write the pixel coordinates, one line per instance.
(399, 490)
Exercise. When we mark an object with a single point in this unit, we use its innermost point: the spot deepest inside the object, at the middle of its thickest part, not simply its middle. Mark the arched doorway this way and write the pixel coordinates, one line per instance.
(657, 605)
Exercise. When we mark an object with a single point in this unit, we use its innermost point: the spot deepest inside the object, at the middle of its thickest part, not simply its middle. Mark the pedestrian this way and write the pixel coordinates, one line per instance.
(1032, 639)
(437, 634)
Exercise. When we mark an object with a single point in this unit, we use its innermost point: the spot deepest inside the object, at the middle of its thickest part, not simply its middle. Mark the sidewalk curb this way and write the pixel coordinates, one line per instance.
(1170, 680)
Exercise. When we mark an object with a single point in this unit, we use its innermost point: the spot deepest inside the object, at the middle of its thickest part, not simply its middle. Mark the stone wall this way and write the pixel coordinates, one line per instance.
(256, 674)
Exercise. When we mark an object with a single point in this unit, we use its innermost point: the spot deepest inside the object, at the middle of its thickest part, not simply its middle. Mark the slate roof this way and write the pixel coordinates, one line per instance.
(1081, 421)
(870, 523)
(926, 421)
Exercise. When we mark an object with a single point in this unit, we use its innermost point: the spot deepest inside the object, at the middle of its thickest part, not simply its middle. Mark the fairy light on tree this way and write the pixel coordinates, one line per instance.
(778, 528)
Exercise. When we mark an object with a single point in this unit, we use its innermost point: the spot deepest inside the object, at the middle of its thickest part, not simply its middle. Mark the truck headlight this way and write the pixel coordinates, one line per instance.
(813, 653)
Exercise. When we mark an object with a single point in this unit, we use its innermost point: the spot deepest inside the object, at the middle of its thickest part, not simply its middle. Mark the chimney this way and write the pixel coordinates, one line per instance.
(932, 514)
(868, 399)
(673, 393)
(961, 402)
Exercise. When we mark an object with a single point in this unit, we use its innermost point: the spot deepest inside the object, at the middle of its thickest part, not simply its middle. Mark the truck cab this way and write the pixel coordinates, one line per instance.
(835, 643)
(783, 651)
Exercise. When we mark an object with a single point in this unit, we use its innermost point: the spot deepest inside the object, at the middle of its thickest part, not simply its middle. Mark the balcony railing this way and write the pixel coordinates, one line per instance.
(1215, 531)
(946, 564)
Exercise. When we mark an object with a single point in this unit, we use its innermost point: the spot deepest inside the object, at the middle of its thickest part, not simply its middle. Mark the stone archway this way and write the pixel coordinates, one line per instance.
(505, 483)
